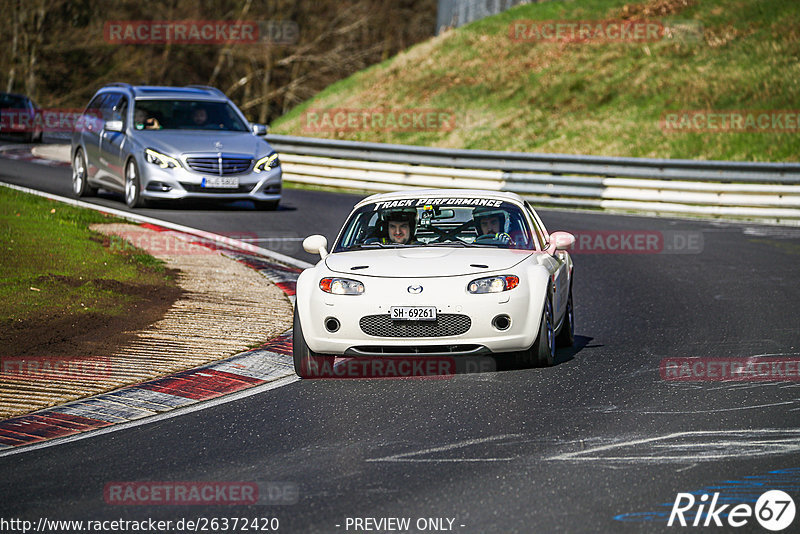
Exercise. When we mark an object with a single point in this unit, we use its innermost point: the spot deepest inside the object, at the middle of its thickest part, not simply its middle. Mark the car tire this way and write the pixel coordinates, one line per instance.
(80, 176)
(266, 205)
(543, 351)
(566, 337)
(307, 363)
(133, 186)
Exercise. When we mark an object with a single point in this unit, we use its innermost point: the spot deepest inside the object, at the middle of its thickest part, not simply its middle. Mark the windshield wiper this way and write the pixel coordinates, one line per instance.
(376, 244)
(452, 244)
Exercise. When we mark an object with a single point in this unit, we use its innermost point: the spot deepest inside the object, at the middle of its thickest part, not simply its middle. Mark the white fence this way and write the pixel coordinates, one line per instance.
(758, 191)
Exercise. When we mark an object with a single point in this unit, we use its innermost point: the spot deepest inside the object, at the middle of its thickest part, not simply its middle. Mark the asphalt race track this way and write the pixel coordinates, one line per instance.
(601, 442)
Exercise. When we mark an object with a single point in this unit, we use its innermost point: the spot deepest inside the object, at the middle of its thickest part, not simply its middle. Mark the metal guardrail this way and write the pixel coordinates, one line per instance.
(760, 191)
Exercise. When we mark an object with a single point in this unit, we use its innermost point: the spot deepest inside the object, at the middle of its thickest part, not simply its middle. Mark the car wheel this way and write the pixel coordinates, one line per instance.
(80, 176)
(566, 338)
(307, 363)
(543, 351)
(133, 186)
(266, 205)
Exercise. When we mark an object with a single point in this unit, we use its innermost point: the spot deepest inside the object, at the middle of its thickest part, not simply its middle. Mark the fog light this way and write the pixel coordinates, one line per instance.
(158, 186)
(501, 322)
(332, 324)
(272, 189)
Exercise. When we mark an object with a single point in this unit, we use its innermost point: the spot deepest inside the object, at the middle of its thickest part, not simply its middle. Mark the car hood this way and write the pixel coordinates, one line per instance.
(421, 262)
(177, 142)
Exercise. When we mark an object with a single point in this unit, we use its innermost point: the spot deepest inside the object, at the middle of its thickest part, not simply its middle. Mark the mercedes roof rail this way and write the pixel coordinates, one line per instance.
(207, 88)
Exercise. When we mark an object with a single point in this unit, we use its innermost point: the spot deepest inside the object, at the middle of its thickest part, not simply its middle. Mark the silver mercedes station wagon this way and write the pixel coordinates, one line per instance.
(169, 143)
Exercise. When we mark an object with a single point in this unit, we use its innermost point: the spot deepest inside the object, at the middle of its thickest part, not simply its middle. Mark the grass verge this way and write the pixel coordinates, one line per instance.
(596, 97)
(53, 267)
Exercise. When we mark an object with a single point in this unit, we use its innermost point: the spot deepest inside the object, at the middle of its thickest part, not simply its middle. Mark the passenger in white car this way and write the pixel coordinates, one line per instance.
(491, 224)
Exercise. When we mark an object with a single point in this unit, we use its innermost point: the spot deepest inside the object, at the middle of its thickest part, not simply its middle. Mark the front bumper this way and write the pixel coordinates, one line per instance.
(176, 184)
(416, 351)
(522, 306)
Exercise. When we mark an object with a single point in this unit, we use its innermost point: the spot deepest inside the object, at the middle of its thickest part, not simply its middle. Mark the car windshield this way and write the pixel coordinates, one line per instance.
(169, 114)
(434, 222)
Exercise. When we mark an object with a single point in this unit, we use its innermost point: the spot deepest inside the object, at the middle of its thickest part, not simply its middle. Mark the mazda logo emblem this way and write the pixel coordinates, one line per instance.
(415, 289)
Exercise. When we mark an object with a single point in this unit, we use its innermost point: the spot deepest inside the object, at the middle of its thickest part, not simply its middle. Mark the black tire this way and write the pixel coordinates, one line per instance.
(566, 337)
(133, 186)
(307, 363)
(266, 205)
(80, 176)
(546, 352)
(543, 354)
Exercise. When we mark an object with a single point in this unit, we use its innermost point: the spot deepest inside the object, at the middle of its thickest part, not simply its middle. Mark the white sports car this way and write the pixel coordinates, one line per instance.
(435, 273)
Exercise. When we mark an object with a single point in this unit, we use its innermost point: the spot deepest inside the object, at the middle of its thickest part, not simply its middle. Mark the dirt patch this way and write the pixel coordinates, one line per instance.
(657, 8)
(220, 308)
(90, 333)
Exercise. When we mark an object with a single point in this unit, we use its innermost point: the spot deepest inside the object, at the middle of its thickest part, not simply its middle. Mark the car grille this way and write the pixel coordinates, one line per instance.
(211, 165)
(196, 188)
(446, 324)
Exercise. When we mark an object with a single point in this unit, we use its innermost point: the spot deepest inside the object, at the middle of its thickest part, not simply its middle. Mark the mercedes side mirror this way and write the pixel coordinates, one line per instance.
(113, 126)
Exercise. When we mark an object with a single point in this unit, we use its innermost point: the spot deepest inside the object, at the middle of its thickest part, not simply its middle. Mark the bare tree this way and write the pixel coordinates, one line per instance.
(58, 50)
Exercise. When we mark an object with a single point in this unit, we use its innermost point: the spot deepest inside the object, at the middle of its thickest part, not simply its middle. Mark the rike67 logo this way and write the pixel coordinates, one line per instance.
(774, 510)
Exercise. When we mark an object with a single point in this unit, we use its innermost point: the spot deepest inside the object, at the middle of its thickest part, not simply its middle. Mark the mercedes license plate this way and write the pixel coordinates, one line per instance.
(228, 182)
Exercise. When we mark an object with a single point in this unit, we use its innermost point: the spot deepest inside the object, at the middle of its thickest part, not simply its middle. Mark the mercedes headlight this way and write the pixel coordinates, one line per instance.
(267, 162)
(162, 160)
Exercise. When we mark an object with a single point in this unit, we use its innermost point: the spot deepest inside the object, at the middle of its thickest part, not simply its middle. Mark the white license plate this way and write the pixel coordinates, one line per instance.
(412, 313)
(230, 182)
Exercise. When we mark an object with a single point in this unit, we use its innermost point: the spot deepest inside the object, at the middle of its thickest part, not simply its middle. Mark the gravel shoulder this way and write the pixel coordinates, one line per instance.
(224, 308)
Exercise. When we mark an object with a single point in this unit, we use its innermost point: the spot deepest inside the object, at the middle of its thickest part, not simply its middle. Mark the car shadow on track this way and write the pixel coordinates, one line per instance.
(424, 365)
(194, 204)
(563, 355)
(566, 354)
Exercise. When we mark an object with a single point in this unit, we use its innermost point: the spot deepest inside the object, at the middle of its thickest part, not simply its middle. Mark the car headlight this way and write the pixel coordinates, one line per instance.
(267, 162)
(493, 284)
(341, 286)
(162, 160)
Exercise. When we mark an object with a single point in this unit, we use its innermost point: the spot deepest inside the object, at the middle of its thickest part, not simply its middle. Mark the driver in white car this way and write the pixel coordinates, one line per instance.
(398, 227)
